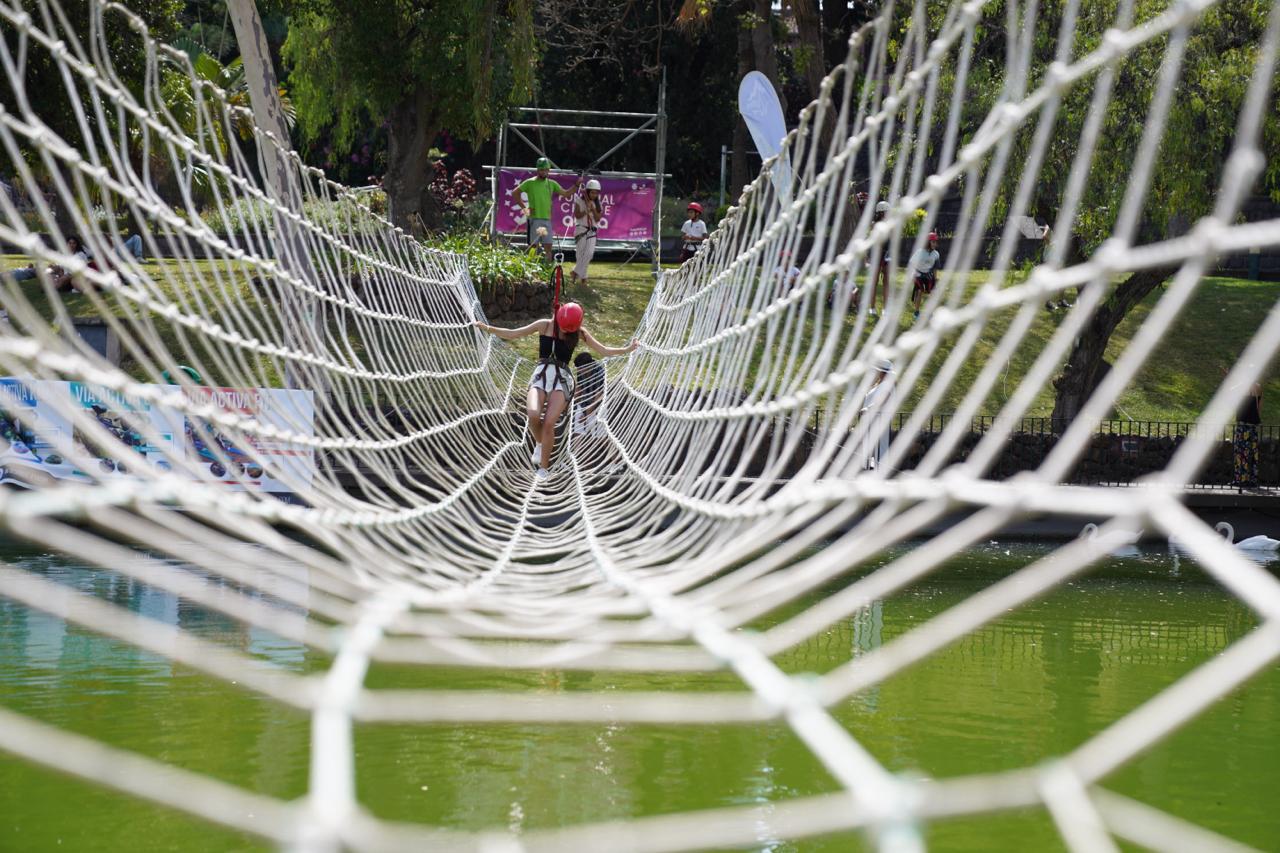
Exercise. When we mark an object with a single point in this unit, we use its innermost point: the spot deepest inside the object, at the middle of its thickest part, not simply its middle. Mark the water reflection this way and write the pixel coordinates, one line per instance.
(1033, 684)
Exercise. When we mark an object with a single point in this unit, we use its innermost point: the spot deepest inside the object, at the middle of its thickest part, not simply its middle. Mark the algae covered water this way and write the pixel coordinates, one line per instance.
(1030, 686)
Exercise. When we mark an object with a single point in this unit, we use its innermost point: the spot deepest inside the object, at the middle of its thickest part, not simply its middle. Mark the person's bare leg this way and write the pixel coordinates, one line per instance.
(881, 288)
(555, 406)
(533, 409)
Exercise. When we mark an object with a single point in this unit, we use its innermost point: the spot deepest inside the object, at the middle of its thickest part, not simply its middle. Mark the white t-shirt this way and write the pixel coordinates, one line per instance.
(925, 260)
(693, 228)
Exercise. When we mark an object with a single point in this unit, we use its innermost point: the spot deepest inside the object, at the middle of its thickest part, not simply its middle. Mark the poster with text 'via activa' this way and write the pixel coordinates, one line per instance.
(40, 443)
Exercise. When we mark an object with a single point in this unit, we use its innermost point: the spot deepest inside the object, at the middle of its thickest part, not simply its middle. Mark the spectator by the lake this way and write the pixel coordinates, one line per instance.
(1245, 439)
(875, 415)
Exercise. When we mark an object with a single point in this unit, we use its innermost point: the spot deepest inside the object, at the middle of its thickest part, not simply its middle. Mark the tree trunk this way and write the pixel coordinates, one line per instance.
(738, 174)
(809, 28)
(409, 172)
(764, 47)
(836, 18)
(1085, 368)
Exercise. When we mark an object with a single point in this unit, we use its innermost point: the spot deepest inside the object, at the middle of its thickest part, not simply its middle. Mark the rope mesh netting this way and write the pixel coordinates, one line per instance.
(731, 475)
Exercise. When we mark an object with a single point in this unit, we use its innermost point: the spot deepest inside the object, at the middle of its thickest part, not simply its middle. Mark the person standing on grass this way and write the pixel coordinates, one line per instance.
(924, 268)
(693, 233)
(880, 278)
(535, 193)
(551, 387)
(586, 221)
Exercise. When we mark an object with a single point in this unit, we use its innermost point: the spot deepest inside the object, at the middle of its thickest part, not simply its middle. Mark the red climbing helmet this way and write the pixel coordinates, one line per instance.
(569, 317)
(693, 205)
(933, 237)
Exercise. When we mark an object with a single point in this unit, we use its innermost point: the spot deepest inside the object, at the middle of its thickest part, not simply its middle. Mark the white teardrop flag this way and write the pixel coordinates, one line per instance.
(762, 111)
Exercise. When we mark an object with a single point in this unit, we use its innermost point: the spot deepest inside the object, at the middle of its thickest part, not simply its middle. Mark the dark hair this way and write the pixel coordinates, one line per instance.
(583, 358)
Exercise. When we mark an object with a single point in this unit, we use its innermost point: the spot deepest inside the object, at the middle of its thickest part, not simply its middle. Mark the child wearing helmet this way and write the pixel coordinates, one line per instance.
(924, 264)
(536, 194)
(552, 383)
(693, 231)
(586, 220)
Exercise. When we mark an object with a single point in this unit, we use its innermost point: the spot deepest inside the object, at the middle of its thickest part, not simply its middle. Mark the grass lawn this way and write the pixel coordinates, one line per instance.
(1173, 386)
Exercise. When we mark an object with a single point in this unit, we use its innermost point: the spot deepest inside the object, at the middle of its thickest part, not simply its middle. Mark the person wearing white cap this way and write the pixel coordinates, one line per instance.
(587, 213)
(879, 422)
(880, 278)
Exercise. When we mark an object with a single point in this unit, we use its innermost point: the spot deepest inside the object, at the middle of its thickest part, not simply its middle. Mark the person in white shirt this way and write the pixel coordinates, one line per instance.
(879, 422)
(787, 273)
(586, 221)
(693, 231)
(924, 268)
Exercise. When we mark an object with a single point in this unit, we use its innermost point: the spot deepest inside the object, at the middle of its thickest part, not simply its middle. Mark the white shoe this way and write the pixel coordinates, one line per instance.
(541, 475)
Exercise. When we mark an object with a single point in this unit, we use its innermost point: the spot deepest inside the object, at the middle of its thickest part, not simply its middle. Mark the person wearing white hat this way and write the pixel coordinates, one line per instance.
(879, 422)
(587, 213)
(880, 279)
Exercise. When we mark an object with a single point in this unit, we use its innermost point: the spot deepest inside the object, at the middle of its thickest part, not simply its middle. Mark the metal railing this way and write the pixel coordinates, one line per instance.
(1121, 452)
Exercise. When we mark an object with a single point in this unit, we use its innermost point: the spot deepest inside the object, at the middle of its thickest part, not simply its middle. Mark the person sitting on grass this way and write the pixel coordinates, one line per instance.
(62, 278)
(551, 387)
(924, 266)
(536, 194)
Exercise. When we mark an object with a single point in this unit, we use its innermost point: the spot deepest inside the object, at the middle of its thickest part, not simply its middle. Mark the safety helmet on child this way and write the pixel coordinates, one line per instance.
(933, 237)
(593, 184)
(693, 205)
(569, 317)
(544, 163)
(882, 206)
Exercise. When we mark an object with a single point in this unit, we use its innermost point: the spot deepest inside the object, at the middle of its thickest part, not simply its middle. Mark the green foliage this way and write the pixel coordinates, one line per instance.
(354, 62)
(1220, 54)
(492, 266)
(244, 215)
(42, 79)
(911, 227)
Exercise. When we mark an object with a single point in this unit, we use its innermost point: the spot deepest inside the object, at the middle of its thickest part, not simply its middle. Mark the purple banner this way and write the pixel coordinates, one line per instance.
(627, 205)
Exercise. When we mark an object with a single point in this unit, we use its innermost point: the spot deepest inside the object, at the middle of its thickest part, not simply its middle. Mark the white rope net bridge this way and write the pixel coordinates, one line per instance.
(731, 479)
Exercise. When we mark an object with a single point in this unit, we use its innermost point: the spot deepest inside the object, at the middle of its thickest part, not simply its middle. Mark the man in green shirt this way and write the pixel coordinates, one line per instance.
(535, 193)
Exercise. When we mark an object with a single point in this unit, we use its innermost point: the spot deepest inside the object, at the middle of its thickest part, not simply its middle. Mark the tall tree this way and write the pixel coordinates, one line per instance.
(757, 51)
(1220, 54)
(419, 67)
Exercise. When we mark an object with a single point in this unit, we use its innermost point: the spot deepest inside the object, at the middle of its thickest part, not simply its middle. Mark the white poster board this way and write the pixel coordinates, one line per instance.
(39, 442)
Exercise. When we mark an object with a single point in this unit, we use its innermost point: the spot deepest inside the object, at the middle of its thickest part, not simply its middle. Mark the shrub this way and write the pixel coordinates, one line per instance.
(494, 267)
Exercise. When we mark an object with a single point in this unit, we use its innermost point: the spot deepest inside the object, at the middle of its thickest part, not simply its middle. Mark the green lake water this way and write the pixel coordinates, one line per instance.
(1032, 685)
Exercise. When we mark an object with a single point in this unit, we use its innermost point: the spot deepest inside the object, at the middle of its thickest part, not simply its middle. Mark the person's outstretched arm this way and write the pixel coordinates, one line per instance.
(514, 334)
(601, 349)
